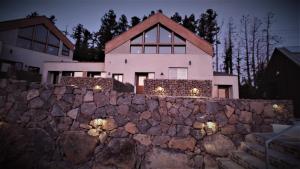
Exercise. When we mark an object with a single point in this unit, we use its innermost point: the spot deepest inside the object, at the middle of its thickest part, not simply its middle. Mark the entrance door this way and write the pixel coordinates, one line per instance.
(223, 91)
(140, 77)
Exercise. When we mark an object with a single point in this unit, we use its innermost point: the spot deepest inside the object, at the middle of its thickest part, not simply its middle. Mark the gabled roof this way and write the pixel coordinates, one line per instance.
(292, 53)
(17, 23)
(164, 20)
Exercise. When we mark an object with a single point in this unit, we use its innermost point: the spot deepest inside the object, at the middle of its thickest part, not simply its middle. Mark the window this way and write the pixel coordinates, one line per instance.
(26, 32)
(179, 49)
(41, 33)
(78, 74)
(23, 43)
(159, 40)
(38, 46)
(53, 40)
(151, 36)
(165, 49)
(177, 73)
(65, 50)
(94, 74)
(52, 50)
(136, 49)
(68, 73)
(118, 77)
(151, 75)
(33, 69)
(150, 49)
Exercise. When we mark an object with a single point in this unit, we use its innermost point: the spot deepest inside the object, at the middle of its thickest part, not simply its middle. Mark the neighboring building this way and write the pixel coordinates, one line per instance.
(160, 49)
(282, 76)
(25, 44)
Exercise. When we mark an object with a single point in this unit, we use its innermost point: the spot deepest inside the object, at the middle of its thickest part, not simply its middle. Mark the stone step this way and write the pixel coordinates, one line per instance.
(277, 159)
(285, 144)
(226, 163)
(247, 161)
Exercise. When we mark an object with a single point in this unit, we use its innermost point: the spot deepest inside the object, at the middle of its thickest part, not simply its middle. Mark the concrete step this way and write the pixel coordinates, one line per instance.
(277, 159)
(286, 144)
(226, 163)
(247, 161)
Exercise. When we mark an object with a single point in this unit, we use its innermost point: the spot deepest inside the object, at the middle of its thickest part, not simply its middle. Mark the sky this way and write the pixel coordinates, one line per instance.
(69, 13)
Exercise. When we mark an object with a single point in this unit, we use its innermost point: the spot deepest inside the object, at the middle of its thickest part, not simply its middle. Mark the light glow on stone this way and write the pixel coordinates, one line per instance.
(195, 92)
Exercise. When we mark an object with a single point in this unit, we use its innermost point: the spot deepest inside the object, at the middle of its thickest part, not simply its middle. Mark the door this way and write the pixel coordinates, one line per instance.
(223, 91)
(140, 77)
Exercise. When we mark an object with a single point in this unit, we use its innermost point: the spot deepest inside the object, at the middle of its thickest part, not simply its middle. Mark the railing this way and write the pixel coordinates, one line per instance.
(268, 141)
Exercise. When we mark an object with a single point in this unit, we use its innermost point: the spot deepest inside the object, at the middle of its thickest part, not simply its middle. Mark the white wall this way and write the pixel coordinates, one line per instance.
(226, 80)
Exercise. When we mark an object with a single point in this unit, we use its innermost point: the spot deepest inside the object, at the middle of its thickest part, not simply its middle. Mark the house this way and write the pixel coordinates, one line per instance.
(282, 76)
(158, 53)
(25, 44)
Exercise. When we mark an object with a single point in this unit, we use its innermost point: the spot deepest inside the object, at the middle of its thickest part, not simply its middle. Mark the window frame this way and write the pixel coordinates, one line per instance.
(187, 73)
(118, 74)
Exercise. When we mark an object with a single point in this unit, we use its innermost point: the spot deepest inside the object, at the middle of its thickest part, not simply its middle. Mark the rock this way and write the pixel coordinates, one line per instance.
(97, 122)
(172, 131)
(68, 98)
(221, 118)
(269, 111)
(93, 132)
(121, 120)
(143, 126)
(187, 143)
(138, 99)
(229, 111)
(250, 138)
(155, 130)
(245, 117)
(188, 121)
(143, 139)
(145, 115)
(210, 163)
(163, 159)
(77, 101)
(218, 145)
(161, 140)
(198, 125)
(77, 146)
(88, 108)
(120, 153)
(243, 128)
(113, 98)
(89, 96)
(123, 109)
(102, 137)
(45, 95)
(125, 99)
(233, 119)
(131, 128)
(57, 111)
(198, 161)
(185, 112)
(85, 126)
(182, 131)
(36, 103)
(60, 90)
(73, 113)
(152, 105)
(197, 134)
(101, 99)
(256, 107)
(119, 133)
(32, 94)
(109, 124)
(228, 129)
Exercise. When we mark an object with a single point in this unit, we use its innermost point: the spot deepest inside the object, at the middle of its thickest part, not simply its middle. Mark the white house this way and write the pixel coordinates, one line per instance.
(157, 48)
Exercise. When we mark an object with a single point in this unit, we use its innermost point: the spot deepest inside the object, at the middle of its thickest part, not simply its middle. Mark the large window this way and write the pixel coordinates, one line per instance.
(177, 73)
(158, 39)
(118, 77)
(40, 39)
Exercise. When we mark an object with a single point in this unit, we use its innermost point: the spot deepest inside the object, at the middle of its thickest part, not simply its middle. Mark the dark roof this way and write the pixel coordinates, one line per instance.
(17, 23)
(222, 74)
(292, 53)
(169, 23)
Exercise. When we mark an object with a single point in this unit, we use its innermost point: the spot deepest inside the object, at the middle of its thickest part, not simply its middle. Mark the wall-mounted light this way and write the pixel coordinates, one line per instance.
(211, 128)
(278, 108)
(161, 73)
(97, 87)
(108, 73)
(159, 90)
(125, 61)
(194, 92)
(190, 63)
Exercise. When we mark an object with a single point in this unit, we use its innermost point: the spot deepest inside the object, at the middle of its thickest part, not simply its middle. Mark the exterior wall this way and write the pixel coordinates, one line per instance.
(200, 68)
(178, 87)
(9, 37)
(226, 80)
(71, 66)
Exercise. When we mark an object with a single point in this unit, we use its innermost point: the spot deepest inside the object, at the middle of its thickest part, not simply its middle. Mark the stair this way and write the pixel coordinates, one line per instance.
(284, 153)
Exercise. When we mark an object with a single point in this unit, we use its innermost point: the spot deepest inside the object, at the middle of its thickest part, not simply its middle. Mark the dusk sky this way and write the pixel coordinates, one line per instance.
(89, 12)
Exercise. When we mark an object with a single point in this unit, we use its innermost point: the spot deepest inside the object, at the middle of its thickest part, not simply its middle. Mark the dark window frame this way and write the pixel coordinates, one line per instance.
(118, 74)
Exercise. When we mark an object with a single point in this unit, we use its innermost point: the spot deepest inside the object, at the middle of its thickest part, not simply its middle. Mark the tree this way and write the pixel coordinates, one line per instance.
(107, 31)
(238, 65)
(190, 23)
(207, 26)
(135, 20)
(176, 17)
(228, 65)
(77, 35)
(122, 25)
(244, 25)
(254, 30)
(33, 14)
(52, 19)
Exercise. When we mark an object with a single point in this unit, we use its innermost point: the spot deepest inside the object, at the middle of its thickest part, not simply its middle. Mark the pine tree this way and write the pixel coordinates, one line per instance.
(176, 17)
(122, 25)
(207, 25)
(190, 23)
(77, 35)
(135, 20)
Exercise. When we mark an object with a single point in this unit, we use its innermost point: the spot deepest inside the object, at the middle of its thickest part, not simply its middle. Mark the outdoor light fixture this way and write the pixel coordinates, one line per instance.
(159, 90)
(278, 108)
(190, 62)
(194, 91)
(125, 61)
(97, 87)
(211, 127)
(161, 73)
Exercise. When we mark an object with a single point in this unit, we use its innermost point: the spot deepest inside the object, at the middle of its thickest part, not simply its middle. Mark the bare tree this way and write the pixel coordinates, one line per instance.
(256, 23)
(244, 24)
(238, 65)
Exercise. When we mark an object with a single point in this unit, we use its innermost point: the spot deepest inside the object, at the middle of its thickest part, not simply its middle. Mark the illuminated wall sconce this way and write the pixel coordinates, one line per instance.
(211, 128)
(190, 63)
(278, 108)
(98, 88)
(195, 91)
(108, 73)
(161, 73)
(160, 90)
(125, 61)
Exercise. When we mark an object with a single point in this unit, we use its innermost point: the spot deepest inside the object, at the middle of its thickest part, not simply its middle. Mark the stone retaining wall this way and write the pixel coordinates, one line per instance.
(167, 87)
(66, 127)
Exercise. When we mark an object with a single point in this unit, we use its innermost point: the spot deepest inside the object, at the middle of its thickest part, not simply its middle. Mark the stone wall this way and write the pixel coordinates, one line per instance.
(65, 127)
(167, 87)
(106, 84)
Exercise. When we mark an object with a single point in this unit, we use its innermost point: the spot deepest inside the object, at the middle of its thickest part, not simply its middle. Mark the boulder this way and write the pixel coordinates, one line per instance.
(77, 146)
(198, 125)
(229, 111)
(245, 117)
(145, 115)
(59, 90)
(101, 99)
(269, 111)
(32, 94)
(73, 113)
(187, 143)
(152, 105)
(113, 98)
(182, 131)
(143, 126)
(89, 96)
(131, 128)
(161, 140)
(88, 108)
(109, 124)
(57, 111)
(228, 129)
(36, 103)
(218, 145)
(210, 162)
(143, 139)
(138, 99)
(256, 107)
(123, 109)
(160, 158)
(221, 118)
